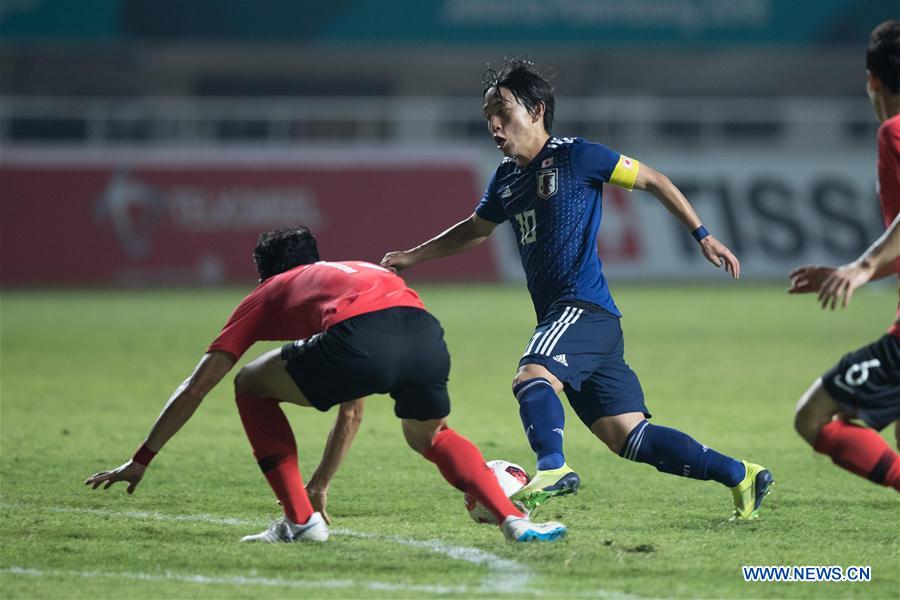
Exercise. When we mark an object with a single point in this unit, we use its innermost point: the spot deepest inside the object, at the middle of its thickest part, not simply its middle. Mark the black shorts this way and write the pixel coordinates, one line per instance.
(867, 382)
(398, 351)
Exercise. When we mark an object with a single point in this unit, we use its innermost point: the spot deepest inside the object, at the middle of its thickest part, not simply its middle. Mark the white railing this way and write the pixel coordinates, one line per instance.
(795, 122)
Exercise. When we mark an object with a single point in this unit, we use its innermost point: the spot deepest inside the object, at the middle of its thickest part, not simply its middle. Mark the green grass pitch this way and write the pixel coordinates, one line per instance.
(84, 373)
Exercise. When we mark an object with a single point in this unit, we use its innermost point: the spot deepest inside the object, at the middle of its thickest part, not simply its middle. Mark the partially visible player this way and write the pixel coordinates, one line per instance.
(549, 190)
(864, 383)
(360, 331)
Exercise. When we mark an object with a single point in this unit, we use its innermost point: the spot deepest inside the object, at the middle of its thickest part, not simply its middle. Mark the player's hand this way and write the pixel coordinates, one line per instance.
(131, 472)
(809, 278)
(318, 497)
(838, 287)
(397, 261)
(718, 254)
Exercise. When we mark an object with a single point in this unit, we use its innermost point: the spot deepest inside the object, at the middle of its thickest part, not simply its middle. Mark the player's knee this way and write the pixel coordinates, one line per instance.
(614, 445)
(611, 433)
(815, 410)
(521, 377)
(807, 427)
(240, 380)
(419, 435)
(614, 431)
(808, 422)
(243, 381)
(529, 372)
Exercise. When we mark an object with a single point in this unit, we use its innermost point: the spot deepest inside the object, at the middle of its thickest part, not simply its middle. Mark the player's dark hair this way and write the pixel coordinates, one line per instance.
(883, 55)
(522, 78)
(282, 250)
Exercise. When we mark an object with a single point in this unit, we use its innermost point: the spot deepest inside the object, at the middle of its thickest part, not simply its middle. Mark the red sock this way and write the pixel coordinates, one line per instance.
(275, 450)
(461, 464)
(861, 451)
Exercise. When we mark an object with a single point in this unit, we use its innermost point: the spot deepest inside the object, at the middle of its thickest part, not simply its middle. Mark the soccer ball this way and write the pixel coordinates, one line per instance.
(511, 477)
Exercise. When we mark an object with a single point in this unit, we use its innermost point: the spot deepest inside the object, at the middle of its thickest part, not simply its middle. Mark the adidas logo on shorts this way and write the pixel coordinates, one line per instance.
(561, 358)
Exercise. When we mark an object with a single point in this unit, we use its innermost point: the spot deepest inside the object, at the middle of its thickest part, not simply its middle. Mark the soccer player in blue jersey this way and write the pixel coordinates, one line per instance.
(549, 189)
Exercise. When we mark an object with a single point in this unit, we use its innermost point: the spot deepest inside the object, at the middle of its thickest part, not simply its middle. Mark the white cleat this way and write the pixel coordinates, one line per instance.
(517, 529)
(285, 530)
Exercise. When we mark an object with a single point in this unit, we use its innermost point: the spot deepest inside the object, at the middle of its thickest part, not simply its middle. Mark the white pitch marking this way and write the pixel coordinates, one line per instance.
(243, 580)
(505, 576)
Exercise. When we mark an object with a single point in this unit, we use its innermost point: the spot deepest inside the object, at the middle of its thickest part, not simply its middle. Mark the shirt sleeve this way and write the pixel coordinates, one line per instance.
(490, 207)
(242, 329)
(595, 164)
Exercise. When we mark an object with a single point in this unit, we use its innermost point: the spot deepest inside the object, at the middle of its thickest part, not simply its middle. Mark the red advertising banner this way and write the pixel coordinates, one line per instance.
(144, 220)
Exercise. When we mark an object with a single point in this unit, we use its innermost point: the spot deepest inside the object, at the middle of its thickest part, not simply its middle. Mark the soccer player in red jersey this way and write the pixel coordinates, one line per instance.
(359, 331)
(865, 383)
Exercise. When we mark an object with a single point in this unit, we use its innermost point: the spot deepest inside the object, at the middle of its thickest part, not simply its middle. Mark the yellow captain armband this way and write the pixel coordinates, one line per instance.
(625, 172)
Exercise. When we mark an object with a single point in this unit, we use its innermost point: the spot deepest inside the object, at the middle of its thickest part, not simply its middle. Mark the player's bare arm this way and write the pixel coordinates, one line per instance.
(808, 279)
(659, 185)
(213, 366)
(339, 441)
(462, 236)
(839, 286)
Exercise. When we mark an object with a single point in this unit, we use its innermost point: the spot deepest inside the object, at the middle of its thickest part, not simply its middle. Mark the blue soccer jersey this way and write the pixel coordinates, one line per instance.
(554, 206)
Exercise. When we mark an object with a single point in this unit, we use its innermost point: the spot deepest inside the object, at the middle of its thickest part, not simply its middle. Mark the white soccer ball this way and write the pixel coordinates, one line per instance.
(511, 477)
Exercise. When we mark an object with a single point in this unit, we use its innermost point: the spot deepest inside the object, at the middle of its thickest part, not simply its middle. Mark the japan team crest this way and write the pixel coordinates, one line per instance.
(547, 181)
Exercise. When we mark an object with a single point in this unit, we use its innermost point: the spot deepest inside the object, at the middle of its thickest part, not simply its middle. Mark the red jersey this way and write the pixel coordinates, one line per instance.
(889, 185)
(311, 298)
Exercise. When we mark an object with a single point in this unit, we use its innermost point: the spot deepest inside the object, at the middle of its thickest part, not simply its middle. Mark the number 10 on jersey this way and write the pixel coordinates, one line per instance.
(527, 227)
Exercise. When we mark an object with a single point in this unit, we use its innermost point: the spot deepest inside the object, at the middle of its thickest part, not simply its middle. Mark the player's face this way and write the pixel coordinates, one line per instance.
(509, 123)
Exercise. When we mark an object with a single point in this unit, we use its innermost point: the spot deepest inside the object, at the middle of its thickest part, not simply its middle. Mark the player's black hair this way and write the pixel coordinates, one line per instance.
(521, 77)
(883, 55)
(282, 250)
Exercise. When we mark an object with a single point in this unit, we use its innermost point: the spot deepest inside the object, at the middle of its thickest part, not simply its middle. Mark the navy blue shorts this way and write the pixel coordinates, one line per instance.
(582, 345)
(867, 382)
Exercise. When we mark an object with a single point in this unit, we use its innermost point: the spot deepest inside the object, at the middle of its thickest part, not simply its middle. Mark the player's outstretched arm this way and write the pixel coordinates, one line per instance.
(181, 405)
(838, 287)
(671, 197)
(339, 441)
(808, 279)
(462, 236)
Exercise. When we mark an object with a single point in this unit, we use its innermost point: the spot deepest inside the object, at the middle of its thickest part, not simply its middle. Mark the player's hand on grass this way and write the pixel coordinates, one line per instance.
(318, 497)
(838, 287)
(809, 278)
(718, 254)
(397, 261)
(131, 472)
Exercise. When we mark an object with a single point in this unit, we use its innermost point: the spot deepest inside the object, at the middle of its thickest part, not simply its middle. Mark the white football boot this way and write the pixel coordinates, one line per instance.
(285, 530)
(517, 529)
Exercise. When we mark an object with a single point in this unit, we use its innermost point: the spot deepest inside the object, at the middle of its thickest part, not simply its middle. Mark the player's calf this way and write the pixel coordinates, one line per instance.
(861, 451)
(675, 452)
(542, 414)
(462, 465)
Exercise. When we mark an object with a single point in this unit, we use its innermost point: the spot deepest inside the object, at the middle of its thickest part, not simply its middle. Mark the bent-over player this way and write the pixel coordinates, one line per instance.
(360, 330)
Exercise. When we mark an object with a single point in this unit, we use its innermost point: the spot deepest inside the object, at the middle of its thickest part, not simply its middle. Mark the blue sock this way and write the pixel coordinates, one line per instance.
(543, 419)
(672, 451)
